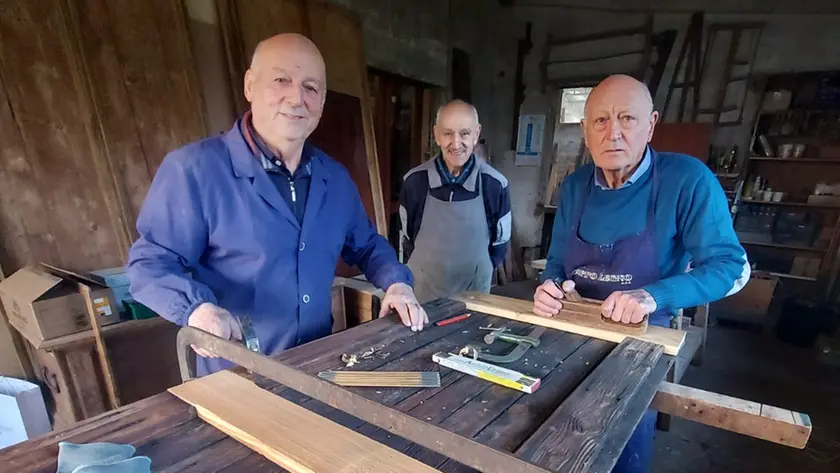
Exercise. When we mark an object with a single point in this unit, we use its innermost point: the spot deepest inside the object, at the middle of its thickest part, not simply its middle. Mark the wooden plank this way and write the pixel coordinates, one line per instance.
(151, 69)
(605, 405)
(283, 431)
(102, 172)
(26, 236)
(539, 264)
(750, 418)
(39, 68)
(112, 329)
(132, 424)
(126, 76)
(515, 309)
(101, 350)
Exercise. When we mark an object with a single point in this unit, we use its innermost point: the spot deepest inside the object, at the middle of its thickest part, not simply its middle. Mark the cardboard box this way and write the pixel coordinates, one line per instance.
(117, 280)
(43, 302)
(752, 303)
(23, 414)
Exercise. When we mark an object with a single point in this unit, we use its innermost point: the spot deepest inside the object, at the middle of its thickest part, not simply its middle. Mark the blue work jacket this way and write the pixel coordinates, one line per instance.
(214, 228)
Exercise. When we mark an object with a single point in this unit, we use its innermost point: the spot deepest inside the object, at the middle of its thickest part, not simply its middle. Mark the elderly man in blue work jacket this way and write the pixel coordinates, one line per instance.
(628, 225)
(253, 222)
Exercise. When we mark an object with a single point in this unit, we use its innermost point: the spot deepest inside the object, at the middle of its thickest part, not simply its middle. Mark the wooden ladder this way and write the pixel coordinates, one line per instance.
(737, 69)
(691, 72)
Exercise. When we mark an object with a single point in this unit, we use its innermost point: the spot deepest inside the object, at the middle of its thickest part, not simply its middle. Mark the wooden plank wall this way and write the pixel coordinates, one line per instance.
(93, 93)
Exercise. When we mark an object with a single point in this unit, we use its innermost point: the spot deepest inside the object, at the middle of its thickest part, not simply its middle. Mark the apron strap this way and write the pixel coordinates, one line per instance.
(654, 192)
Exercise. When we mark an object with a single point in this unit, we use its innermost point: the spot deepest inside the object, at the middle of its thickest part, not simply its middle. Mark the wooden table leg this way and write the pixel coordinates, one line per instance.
(701, 319)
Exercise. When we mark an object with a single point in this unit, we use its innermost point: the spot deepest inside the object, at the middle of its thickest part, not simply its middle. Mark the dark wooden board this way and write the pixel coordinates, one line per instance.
(493, 415)
(605, 406)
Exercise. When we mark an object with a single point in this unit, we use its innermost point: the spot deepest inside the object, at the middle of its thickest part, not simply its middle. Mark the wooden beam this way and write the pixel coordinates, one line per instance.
(101, 351)
(283, 432)
(750, 418)
(516, 309)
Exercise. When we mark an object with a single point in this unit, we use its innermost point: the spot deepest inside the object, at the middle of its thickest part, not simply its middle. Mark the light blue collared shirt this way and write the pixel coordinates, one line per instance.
(601, 181)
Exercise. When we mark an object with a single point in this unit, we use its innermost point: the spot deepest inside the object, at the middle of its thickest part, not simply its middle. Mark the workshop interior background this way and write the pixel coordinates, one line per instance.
(94, 93)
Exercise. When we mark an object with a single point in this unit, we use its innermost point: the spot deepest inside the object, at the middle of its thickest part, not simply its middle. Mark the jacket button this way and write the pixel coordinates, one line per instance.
(302, 245)
(306, 298)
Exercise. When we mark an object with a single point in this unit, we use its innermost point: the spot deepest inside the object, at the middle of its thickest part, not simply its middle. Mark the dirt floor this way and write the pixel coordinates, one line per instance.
(749, 365)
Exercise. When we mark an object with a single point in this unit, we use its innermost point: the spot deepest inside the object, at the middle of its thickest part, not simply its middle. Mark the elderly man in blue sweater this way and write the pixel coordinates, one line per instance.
(253, 222)
(628, 226)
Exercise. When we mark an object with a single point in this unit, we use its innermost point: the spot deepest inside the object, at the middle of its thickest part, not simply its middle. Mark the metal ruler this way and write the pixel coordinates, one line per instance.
(449, 444)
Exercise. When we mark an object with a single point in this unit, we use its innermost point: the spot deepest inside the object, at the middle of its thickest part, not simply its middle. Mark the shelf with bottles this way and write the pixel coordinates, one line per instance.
(752, 201)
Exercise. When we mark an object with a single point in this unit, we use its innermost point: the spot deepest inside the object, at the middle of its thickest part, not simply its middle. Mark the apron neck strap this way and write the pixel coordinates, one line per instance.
(654, 192)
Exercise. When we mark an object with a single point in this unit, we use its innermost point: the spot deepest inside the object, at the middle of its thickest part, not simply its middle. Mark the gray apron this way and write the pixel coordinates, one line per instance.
(451, 251)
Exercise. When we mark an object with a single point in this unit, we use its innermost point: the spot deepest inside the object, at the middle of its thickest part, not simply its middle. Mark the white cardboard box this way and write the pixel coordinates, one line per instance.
(23, 414)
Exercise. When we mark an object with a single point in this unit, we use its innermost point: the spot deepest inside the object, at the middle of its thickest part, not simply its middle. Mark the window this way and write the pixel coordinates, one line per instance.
(572, 102)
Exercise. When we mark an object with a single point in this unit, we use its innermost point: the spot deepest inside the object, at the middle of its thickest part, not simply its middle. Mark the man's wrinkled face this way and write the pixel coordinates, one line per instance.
(618, 126)
(456, 132)
(287, 90)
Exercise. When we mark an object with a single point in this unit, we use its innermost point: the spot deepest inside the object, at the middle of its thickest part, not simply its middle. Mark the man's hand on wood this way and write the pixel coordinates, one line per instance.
(548, 297)
(400, 297)
(629, 307)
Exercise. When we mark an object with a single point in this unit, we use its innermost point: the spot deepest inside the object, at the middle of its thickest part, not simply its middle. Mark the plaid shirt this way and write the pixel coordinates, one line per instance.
(293, 187)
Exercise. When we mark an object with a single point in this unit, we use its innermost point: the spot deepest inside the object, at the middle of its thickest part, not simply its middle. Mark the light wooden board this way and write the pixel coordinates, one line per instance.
(750, 418)
(101, 349)
(283, 432)
(539, 264)
(516, 309)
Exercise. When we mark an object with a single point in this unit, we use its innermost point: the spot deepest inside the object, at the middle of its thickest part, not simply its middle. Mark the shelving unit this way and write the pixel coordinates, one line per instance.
(784, 247)
(826, 162)
(798, 109)
(789, 204)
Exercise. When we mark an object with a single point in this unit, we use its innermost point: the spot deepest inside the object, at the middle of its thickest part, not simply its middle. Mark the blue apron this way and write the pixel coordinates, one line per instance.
(598, 271)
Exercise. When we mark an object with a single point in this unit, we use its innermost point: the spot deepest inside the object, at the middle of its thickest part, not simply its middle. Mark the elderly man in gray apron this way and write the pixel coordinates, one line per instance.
(454, 211)
(627, 226)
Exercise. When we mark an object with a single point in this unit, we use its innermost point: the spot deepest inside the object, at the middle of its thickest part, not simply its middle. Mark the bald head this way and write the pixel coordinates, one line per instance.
(620, 84)
(618, 122)
(268, 50)
(456, 132)
(458, 107)
(286, 86)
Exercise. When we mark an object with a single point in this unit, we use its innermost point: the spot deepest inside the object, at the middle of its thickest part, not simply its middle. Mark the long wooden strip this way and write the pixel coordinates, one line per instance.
(516, 309)
(737, 415)
(603, 410)
(283, 432)
(101, 350)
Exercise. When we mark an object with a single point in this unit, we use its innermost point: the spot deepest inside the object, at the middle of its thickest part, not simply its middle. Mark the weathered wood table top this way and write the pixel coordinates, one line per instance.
(597, 402)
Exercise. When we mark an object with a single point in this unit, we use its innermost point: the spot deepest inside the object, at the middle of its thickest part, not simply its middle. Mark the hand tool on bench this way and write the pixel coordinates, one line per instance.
(575, 305)
(449, 444)
(452, 320)
(383, 379)
(523, 344)
(481, 370)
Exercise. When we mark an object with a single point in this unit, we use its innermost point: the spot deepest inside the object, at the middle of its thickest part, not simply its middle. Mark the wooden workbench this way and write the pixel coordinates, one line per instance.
(571, 368)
